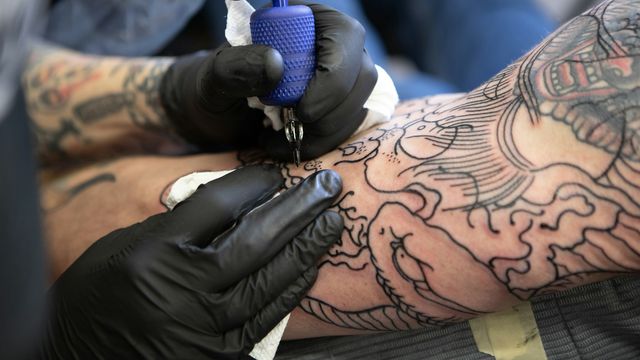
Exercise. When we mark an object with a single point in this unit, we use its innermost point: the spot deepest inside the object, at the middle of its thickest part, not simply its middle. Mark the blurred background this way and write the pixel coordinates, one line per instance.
(427, 46)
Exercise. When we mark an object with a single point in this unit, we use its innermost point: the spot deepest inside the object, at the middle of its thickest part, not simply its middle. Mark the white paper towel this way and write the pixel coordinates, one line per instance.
(381, 102)
(181, 190)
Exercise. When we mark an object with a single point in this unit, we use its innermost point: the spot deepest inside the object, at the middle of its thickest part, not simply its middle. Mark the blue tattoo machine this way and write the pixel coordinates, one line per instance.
(290, 30)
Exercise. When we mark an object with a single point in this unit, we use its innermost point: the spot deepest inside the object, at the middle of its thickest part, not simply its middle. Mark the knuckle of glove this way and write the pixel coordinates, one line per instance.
(226, 312)
(336, 21)
(354, 27)
(315, 239)
(210, 75)
(331, 225)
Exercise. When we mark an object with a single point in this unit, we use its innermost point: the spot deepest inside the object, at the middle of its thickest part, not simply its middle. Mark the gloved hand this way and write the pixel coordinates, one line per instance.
(205, 94)
(185, 284)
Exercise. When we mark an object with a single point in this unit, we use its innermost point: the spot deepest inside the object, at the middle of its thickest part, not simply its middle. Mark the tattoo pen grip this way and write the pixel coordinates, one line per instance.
(291, 31)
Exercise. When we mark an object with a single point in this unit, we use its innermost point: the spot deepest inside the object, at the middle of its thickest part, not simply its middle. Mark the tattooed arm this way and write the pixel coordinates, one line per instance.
(92, 107)
(527, 185)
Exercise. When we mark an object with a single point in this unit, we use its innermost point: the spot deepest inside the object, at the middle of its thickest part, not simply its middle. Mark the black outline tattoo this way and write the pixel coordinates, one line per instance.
(94, 110)
(451, 211)
(452, 180)
(60, 194)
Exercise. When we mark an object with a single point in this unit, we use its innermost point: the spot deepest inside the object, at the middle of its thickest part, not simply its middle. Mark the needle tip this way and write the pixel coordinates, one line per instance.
(296, 157)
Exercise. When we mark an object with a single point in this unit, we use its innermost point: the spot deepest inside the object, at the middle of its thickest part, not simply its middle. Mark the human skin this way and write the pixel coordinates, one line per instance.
(455, 208)
(86, 108)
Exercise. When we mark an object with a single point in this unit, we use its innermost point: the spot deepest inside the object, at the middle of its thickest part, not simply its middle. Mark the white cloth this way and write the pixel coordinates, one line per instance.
(381, 102)
(182, 189)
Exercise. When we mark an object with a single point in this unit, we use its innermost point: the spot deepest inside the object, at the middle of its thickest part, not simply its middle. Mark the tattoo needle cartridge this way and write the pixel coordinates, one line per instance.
(291, 31)
(294, 132)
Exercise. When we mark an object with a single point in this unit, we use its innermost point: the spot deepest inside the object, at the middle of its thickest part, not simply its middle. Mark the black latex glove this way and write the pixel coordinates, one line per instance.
(182, 285)
(205, 94)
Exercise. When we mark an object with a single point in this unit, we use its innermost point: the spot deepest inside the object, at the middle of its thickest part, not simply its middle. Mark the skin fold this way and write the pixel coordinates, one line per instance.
(458, 207)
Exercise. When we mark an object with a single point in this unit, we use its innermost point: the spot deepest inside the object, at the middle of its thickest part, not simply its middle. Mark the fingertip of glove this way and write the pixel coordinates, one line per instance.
(327, 180)
(273, 67)
(270, 65)
(249, 70)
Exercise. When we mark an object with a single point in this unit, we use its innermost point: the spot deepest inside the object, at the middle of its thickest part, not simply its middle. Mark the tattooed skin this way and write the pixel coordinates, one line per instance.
(95, 107)
(59, 194)
(473, 179)
(458, 207)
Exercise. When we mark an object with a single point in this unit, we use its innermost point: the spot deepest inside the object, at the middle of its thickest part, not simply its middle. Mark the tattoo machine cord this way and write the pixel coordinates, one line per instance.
(291, 31)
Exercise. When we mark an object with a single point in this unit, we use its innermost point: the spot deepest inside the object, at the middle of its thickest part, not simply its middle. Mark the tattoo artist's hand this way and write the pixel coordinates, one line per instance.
(186, 283)
(205, 94)
(331, 108)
